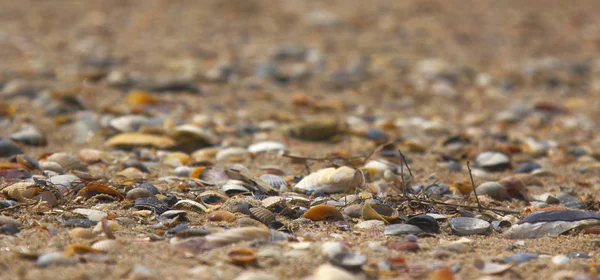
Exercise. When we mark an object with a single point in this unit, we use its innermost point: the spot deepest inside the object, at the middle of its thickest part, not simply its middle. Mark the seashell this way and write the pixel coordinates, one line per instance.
(443, 273)
(9, 225)
(277, 182)
(135, 164)
(515, 187)
(90, 156)
(493, 190)
(375, 169)
(219, 239)
(129, 123)
(212, 198)
(319, 130)
(136, 97)
(107, 245)
(241, 256)
(273, 201)
(132, 139)
(401, 229)
(107, 225)
(197, 172)
(82, 233)
(232, 189)
(155, 205)
(370, 224)
(349, 261)
(191, 205)
(190, 138)
(177, 159)
(404, 246)
(9, 149)
(29, 136)
(330, 272)
(468, 226)
(489, 268)
(205, 154)
(425, 222)
(220, 216)
(91, 214)
(51, 166)
(267, 146)
(68, 161)
(255, 276)
(493, 161)
(54, 258)
(381, 212)
(243, 208)
(353, 210)
(232, 154)
(263, 215)
(138, 193)
(323, 212)
(173, 214)
(80, 249)
(21, 191)
(331, 180)
(248, 222)
(94, 189)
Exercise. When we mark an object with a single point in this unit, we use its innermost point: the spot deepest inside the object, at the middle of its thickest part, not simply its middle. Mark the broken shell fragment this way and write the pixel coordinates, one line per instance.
(489, 268)
(469, 226)
(331, 180)
(133, 139)
(371, 211)
(323, 212)
(220, 216)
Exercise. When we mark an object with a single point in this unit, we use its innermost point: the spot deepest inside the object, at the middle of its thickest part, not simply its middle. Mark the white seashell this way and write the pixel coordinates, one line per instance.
(330, 272)
(191, 205)
(232, 153)
(107, 245)
(331, 180)
(275, 181)
(129, 123)
(91, 214)
(266, 146)
(255, 276)
(54, 258)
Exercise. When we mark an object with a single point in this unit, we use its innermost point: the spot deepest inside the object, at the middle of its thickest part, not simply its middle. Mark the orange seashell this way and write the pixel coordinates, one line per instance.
(80, 249)
(196, 172)
(93, 189)
(323, 212)
(443, 273)
(141, 98)
(462, 187)
(220, 216)
(242, 256)
(530, 210)
(379, 212)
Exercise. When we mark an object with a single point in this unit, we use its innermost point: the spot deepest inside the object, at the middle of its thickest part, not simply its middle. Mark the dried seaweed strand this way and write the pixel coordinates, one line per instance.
(473, 184)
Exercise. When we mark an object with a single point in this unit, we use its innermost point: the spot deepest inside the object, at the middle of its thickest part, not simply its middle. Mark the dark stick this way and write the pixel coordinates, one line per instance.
(504, 211)
(473, 184)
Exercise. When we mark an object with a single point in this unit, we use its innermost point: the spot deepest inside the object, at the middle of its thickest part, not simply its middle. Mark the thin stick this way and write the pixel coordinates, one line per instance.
(500, 210)
(473, 184)
(406, 163)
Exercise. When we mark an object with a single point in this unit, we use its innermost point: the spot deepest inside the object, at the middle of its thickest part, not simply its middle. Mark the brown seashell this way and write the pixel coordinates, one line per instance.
(220, 216)
(80, 249)
(90, 156)
(83, 233)
(197, 172)
(263, 215)
(131, 140)
(248, 222)
(29, 163)
(93, 189)
(515, 187)
(353, 210)
(272, 201)
(21, 191)
(323, 212)
(140, 98)
(137, 193)
(381, 212)
(242, 256)
(68, 161)
(443, 273)
(107, 245)
(318, 130)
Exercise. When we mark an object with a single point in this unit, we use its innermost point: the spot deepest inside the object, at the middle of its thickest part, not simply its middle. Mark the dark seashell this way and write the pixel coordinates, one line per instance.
(559, 215)
(262, 214)
(377, 135)
(260, 196)
(499, 225)
(291, 213)
(277, 225)
(170, 200)
(437, 189)
(9, 149)
(172, 214)
(135, 164)
(425, 223)
(29, 136)
(349, 261)
(454, 166)
(521, 257)
(10, 229)
(4, 203)
(570, 201)
(243, 208)
(527, 167)
(152, 204)
(84, 223)
(153, 190)
(401, 229)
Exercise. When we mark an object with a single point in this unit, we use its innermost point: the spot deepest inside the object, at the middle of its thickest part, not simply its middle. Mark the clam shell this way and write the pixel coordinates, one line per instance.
(277, 182)
(236, 235)
(232, 154)
(263, 215)
(68, 161)
(191, 205)
(212, 198)
(83, 233)
(349, 261)
(9, 149)
(107, 245)
(190, 138)
(80, 249)
(29, 136)
(489, 268)
(248, 222)
(221, 215)
(272, 201)
(331, 180)
(266, 146)
(318, 130)
(323, 212)
(129, 123)
(241, 256)
(21, 191)
(90, 156)
(233, 189)
(381, 212)
(468, 226)
(51, 166)
(54, 258)
(137, 193)
(133, 139)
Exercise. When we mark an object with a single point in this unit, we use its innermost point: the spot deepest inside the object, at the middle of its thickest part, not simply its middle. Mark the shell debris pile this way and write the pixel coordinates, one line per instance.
(262, 139)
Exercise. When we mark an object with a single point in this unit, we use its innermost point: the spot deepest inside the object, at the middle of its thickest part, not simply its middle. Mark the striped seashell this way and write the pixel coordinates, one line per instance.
(263, 215)
(275, 181)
